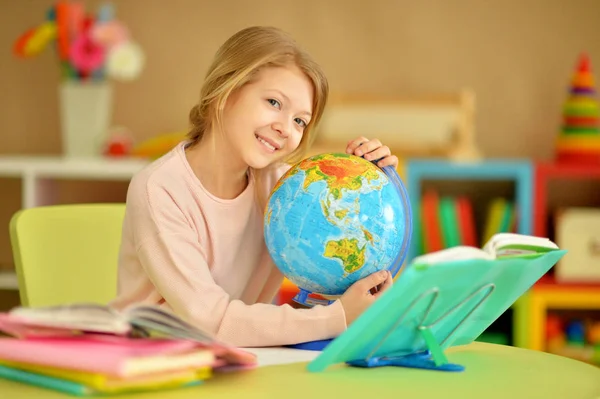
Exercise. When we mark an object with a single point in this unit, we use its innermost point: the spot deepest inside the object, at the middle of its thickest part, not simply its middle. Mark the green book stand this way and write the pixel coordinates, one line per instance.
(431, 308)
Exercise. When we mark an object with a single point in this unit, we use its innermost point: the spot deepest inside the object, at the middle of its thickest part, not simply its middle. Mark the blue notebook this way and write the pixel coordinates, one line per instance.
(432, 307)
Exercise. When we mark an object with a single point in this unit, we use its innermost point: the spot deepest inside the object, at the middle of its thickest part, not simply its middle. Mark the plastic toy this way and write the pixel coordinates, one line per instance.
(120, 143)
(156, 147)
(579, 139)
(577, 338)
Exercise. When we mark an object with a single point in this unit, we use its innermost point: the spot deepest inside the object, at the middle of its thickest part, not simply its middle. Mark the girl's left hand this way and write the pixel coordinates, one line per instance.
(372, 150)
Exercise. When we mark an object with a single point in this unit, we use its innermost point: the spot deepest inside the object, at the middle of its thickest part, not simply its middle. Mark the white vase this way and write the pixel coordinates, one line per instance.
(85, 117)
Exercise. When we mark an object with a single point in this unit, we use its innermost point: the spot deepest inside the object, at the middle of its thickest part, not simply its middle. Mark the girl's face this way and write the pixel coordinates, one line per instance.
(264, 120)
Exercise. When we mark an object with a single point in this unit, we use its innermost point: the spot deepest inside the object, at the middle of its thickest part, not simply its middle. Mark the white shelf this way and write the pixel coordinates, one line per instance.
(38, 172)
(8, 281)
(70, 168)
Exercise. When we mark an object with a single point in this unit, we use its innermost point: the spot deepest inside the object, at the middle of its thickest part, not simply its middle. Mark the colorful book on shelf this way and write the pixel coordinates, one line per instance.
(449, 222)
(442, 300)
(137, 321)
(466, 221)
(432, 233)
(446, 222)
(500, 218)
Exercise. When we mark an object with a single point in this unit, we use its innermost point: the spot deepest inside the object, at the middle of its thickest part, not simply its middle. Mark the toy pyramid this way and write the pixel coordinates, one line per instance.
(579, 139)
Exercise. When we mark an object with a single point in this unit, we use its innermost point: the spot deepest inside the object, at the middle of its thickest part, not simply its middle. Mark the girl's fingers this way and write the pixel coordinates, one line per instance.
(372, 150)
(392, 160)
(389, 281)
(378, 153)
(354, 144)
(367, 147)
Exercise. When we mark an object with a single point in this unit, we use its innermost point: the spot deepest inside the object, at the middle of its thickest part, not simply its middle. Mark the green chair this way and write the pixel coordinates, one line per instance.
(67, 253)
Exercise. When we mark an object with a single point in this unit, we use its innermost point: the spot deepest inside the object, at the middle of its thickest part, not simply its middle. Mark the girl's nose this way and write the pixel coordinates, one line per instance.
(281, 128)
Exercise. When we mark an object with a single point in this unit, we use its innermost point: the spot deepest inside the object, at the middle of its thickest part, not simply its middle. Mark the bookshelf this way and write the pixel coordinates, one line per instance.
(539, 191)
(558, 186)
(456, 178)
(546, 173)
(547, 296)
(481, 182)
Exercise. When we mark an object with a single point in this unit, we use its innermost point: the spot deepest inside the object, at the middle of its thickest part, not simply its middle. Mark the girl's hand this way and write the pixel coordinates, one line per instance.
(372, 150)
(360, 295)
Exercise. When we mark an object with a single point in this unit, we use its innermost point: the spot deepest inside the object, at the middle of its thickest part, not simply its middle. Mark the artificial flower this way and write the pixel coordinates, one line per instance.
(125, 61)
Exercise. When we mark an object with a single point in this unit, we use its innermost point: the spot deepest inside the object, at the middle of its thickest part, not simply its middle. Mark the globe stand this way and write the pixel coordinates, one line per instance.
(304, 298)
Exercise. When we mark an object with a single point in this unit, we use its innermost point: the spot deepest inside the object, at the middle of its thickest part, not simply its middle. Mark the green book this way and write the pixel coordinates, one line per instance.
(440, 300)
(44, 381)
(71, 387)
(449, 222)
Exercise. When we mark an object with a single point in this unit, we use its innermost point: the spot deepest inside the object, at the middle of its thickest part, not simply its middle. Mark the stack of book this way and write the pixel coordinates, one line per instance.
(87, 349)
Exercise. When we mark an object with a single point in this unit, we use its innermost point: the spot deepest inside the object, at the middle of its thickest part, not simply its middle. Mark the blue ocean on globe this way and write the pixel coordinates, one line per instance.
(333, 219)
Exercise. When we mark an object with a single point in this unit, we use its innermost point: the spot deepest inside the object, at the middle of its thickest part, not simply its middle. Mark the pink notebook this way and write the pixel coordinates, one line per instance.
(35, 324)
(110, 355)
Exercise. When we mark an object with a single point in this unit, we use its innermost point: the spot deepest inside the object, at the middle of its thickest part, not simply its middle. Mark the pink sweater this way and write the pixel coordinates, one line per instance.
(205, 259)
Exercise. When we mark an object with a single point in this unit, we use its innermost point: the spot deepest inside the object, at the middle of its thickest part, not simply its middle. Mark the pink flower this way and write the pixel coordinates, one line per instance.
(109, 34)
(85, 54)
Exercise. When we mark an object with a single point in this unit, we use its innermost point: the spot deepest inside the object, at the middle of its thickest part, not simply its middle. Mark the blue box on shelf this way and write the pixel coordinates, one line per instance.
(518, 171)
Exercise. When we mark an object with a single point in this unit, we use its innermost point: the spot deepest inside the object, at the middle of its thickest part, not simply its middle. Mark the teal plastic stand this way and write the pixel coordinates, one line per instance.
(431, 308)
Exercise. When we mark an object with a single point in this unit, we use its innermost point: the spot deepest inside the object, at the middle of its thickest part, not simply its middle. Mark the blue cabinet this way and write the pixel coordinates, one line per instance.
(519, 172)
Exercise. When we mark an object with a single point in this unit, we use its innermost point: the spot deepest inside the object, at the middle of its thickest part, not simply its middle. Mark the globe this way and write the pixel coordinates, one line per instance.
(334, 219)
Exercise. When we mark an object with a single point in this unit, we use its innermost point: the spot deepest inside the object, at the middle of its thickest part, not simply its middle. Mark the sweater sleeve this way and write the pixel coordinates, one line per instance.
(174, 261)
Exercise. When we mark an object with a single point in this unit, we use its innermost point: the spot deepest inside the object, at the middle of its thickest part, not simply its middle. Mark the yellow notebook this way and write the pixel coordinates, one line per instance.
(110, 384)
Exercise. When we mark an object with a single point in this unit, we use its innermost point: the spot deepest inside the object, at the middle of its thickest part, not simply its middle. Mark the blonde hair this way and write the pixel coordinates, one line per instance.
(235, 64)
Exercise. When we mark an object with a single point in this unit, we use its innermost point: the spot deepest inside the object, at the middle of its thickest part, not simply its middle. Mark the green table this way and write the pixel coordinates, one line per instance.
(492, 371)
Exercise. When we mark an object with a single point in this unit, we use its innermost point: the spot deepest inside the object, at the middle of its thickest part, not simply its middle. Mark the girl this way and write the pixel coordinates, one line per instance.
(193, 231)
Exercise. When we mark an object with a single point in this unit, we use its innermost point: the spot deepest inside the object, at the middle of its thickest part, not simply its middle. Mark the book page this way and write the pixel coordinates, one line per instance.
(81, 316)
(158, 321)
(511, 244)
(278, 355)
(451, 254)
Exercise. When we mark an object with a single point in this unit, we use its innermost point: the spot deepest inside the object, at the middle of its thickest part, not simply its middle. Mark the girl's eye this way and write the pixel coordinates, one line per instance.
(274, 102)
(301, 122)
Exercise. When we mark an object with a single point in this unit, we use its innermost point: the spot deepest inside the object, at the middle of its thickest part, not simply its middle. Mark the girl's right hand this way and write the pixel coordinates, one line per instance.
(363, 293)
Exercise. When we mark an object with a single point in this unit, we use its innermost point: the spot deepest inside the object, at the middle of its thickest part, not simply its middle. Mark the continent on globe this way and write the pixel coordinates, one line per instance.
(348, 251)
(339, 172)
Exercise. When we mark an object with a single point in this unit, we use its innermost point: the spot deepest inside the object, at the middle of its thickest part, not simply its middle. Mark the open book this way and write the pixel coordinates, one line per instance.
(136, 321)
(500, 245)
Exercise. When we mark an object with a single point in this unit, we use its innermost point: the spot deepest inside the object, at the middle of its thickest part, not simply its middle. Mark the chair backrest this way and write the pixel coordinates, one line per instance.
(67, 253)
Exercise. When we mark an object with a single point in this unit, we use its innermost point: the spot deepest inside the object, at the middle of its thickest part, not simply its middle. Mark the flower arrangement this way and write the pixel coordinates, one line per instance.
(89, 47)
